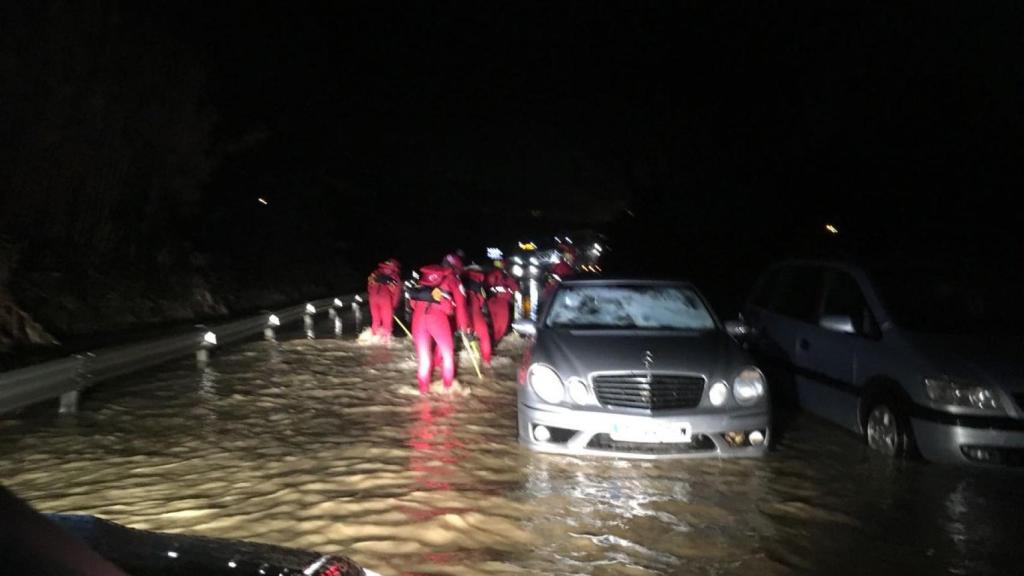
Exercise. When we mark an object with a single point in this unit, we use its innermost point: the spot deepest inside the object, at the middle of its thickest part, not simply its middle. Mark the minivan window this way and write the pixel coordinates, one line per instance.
(843, 297)
(797, 292)
(765, 290)
(946, 301)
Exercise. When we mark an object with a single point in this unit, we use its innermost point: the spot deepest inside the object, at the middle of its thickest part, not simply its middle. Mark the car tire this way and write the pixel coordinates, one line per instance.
(886, 428)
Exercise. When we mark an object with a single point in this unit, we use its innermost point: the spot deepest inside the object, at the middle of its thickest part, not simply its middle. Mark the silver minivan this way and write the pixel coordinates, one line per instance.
(909, 358)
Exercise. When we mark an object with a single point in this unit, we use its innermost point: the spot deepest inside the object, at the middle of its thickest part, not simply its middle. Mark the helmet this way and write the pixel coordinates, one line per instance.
(499, 264)
(454, 261)
(391, 264)
(474, 273)
(568, 252)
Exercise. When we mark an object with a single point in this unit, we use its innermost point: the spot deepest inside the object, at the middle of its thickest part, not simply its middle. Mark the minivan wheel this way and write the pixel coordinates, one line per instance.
(886, 430)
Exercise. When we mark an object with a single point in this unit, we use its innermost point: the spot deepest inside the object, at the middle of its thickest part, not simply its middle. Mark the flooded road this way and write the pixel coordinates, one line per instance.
(326, 445)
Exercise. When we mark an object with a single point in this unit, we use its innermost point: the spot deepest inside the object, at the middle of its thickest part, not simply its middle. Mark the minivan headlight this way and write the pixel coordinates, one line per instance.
(546, 383)
(748, 387)
(963, 394)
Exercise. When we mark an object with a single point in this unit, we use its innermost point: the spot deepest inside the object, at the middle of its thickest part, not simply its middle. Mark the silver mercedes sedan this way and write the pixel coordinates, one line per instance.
(638, 368)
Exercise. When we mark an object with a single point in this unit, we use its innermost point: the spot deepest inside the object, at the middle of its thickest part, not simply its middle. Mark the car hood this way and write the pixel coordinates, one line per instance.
(580, 352)
(986, 359)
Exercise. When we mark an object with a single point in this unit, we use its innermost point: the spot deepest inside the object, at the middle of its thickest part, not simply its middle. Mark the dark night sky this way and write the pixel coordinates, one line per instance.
(556, 106)
(741, 124)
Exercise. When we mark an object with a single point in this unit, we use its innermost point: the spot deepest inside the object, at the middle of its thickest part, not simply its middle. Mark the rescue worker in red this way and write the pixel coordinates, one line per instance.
(439, 296)
(475, 282)
(563, 270)
(383, 289)
(502, 288)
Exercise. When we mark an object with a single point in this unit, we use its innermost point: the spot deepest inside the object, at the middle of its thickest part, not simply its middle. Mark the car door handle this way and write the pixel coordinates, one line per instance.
(804, 344)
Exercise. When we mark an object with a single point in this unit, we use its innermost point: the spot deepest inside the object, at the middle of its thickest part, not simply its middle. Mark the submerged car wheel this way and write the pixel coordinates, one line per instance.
(886, 430)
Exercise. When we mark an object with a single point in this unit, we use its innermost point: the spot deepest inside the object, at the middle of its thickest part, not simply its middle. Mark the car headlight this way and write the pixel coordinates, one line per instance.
(577, 390)
(545, 383)
(964, 394)
(718, 393)
(748, 387)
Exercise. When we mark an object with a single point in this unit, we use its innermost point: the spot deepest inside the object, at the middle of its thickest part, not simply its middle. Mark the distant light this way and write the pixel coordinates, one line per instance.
(517, 270)
(415, 274)
(231, 564)
(527, 246)
(569, 240)
(310, 309)
(831, 229)
(172, 554)
(553, 258)
(494, 254)
(262, 201)
(534, 261)
(359, 298)
(273, 320)
(597, 247)
(337, 302)
(210, 338)
(557, 240)
(534, 270)
(517, 259)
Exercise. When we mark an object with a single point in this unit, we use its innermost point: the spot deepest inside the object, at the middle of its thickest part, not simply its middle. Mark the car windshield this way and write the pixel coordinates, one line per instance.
(629, 307)
(943, 301)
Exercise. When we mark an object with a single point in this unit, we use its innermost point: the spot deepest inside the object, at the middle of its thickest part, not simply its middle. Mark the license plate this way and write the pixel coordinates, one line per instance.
(651, 433)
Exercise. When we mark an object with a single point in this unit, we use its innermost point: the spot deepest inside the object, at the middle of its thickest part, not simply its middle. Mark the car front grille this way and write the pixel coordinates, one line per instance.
(699, 443)
(649, 391)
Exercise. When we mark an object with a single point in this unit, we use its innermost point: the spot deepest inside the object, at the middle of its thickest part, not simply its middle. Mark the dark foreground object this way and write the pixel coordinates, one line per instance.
(74, 545)
(142, 553)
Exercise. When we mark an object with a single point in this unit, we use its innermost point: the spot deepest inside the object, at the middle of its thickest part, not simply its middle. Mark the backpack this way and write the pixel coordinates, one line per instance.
(431, 276)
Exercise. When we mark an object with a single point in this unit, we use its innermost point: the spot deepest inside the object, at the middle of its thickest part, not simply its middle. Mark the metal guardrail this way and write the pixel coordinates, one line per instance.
(67, 377)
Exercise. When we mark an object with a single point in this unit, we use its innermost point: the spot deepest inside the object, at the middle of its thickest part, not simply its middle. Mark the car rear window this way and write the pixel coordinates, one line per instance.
(639, 307)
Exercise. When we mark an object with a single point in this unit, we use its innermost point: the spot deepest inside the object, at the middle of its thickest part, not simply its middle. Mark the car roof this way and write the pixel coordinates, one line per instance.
(626, 281)
(821, 262)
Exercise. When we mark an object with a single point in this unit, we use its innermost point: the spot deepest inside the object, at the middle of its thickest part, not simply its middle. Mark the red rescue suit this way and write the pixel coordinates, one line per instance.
(439, 297)
(502, 288)
(559, 272)
(383, 288)
(475, 282)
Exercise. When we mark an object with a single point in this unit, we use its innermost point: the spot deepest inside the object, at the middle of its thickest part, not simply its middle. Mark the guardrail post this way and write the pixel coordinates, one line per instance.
(69, 402)
(268, 331)
(307, 320)
(357, 312)
(336, 316)
(207, 342)
(534, 289)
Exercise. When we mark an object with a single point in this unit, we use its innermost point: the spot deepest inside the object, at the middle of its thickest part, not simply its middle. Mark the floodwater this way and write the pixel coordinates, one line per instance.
(326, 445)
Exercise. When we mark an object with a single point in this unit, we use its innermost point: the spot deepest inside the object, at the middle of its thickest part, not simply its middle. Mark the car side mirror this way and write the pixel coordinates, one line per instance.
(838, 323)
(525, 328)
(737, 329)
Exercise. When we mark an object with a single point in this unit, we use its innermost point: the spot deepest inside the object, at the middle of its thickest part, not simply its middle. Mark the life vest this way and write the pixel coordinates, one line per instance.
(475, 283)
(384, 278)
(432, 277)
